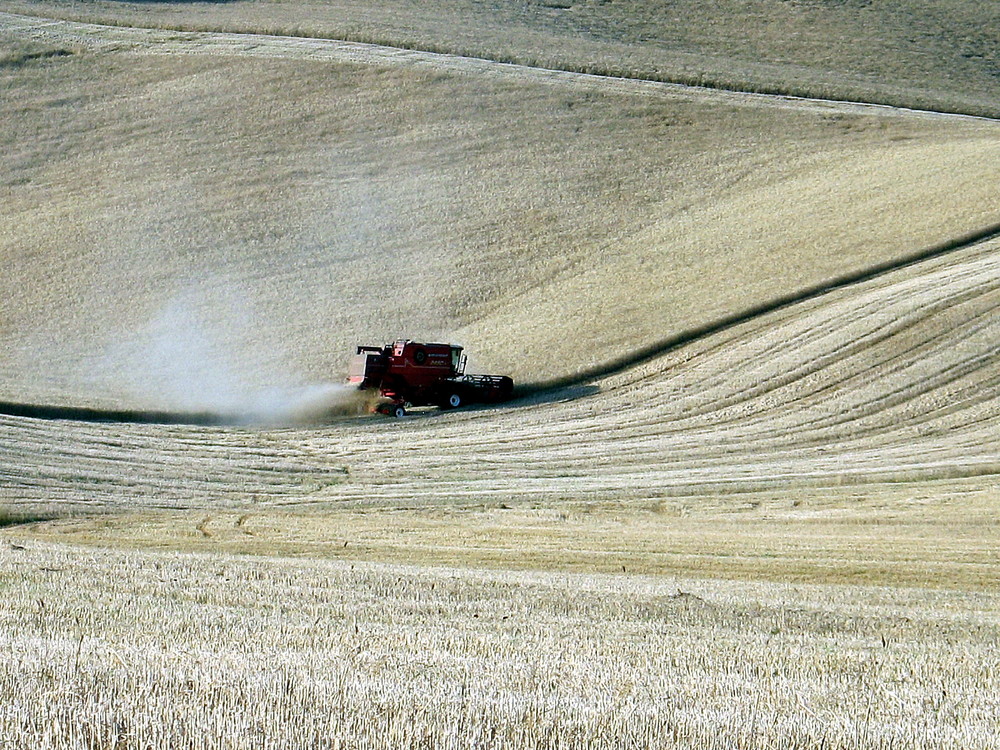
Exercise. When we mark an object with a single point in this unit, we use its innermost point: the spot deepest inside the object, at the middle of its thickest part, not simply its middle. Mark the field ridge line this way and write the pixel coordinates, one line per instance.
(158, 40)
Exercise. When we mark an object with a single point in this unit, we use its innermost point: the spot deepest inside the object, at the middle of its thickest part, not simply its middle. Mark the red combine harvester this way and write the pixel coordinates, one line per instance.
(413, 374)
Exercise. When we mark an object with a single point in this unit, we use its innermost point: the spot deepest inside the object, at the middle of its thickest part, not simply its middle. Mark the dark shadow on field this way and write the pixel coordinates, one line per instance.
(133, 416)
(522, 398)
(532, 394)
(18, 59)
(16, 516)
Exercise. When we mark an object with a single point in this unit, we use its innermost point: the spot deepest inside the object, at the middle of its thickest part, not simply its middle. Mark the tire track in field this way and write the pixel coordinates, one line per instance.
(765, 308)
(812, 352)
(926, 349)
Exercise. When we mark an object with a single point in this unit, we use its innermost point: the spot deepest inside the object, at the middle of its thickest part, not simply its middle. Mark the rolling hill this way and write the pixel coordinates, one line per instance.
(747, 495)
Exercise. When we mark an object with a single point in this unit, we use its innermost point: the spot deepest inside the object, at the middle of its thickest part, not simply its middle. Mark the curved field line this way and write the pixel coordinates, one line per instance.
(131, 416)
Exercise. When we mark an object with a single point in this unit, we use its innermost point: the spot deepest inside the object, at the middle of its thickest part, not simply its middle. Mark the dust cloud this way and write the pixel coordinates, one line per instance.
(200, 352)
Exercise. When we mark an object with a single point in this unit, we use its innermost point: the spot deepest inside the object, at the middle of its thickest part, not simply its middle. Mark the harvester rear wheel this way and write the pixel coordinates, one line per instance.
(398, 411)
(452, 401)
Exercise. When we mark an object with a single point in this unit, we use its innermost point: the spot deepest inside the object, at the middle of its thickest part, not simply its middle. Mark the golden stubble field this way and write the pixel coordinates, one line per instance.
(109, 648)
(779, 534)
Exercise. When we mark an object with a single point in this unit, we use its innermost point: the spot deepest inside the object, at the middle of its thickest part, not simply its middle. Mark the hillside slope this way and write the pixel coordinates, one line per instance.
(172, 243)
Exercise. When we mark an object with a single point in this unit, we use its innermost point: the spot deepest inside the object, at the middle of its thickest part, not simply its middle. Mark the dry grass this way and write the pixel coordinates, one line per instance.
(16, 52)
(166, 650)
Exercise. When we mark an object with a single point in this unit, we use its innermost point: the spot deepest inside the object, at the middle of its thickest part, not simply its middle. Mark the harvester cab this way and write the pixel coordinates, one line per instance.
(409, 373)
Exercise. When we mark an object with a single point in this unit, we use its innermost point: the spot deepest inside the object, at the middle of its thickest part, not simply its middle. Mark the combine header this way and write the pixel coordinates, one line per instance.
(412, 374)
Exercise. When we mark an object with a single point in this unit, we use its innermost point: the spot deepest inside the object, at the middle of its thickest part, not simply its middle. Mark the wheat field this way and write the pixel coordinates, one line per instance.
(746, 497)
